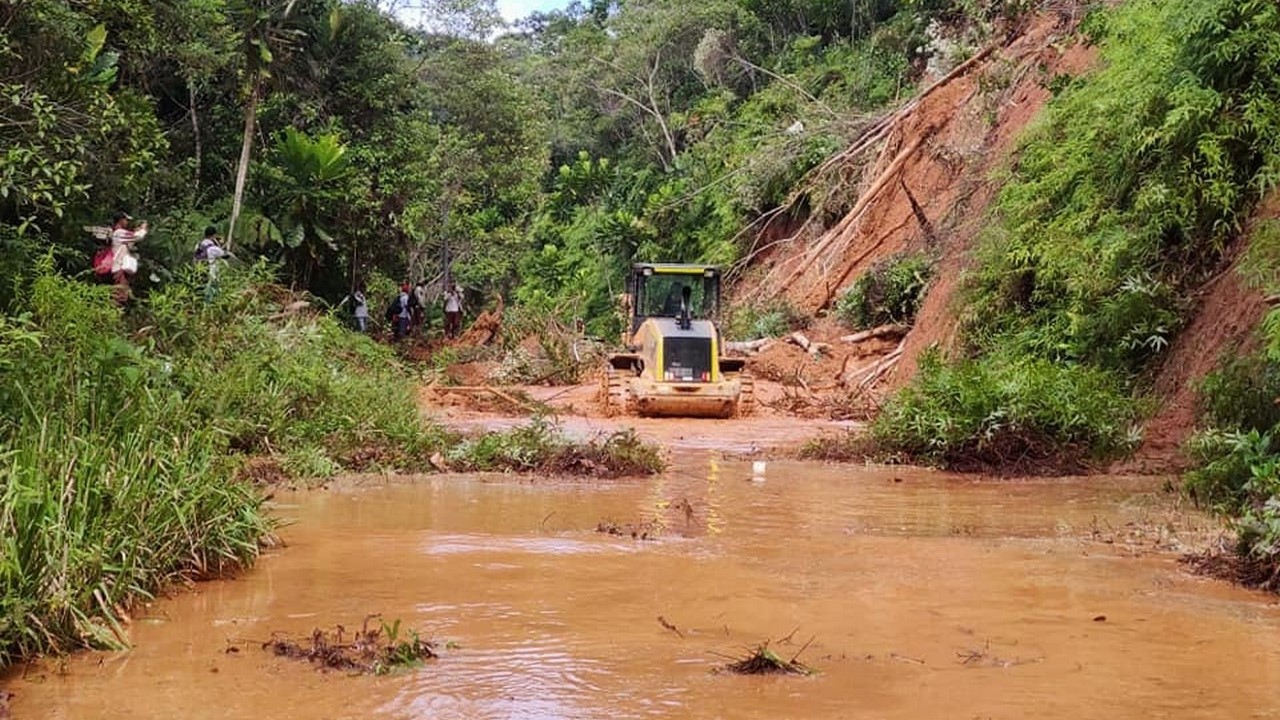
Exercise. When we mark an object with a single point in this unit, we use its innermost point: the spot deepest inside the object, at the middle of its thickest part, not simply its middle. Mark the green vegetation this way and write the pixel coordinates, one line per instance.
(123, 435)
(1237, 455)
(887, 293)
(540, 447)
(1122, 199)
(1024, 414)
(773, 319)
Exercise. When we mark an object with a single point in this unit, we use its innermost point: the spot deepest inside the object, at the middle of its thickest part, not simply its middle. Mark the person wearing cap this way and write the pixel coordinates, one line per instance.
(124, 264)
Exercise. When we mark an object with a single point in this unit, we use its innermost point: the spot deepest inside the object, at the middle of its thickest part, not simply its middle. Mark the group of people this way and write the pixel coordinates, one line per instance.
(118, 261)
(407, 311)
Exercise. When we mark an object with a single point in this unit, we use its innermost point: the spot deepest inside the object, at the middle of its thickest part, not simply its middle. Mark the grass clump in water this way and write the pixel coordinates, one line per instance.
(762, 660)
(376, 651)
(541, 447)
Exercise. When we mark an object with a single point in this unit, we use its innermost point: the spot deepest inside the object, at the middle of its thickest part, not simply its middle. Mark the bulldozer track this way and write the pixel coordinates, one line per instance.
(747, 395)
(615, 393)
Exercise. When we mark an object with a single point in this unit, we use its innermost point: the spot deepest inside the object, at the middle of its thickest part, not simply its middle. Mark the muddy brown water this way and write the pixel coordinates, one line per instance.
(926, 596)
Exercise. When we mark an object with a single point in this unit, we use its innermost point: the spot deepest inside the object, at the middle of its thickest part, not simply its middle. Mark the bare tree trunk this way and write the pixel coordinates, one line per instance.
(195, 131)
(242, 171)
(656, 109)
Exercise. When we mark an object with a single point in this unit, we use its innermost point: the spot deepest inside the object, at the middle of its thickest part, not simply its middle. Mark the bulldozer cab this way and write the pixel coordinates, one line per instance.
(684, 292)
(672, 364)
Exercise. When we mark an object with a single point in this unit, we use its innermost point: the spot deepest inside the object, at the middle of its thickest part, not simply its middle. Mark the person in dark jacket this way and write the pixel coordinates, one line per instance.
(399, 313)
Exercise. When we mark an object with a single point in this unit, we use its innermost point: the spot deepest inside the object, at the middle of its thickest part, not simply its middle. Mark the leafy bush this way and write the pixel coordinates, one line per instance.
(1237, 460)
(272, 385)
(1238, 474)
(1241, 394)
(774, 319)
(1007, 413)
(887, 293)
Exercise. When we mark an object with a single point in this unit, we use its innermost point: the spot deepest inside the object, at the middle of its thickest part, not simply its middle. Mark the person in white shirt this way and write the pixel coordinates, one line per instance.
(420, 306)
(210, 252)
(361, 310)
(124, 264)
(453, 309)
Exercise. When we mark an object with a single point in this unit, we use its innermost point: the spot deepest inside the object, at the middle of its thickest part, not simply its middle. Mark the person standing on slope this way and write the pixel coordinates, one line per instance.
(124, 264)
(453, 309)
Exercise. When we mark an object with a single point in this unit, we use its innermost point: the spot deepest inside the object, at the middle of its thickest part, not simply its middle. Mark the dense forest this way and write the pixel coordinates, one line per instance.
(554, 151)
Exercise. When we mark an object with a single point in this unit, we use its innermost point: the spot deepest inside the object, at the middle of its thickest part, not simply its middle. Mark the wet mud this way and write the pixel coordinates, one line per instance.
(921, 595)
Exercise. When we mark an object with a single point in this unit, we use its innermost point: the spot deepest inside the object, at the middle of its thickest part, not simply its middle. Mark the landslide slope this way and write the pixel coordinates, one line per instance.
(921, 178)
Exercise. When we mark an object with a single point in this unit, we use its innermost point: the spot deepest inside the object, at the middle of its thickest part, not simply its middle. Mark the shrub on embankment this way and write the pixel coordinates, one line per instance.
(122, 436)
(1237, 451)
(1120, 202)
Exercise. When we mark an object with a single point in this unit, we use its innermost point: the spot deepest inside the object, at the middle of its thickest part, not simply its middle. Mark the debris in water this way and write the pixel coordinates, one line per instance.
(1225, 564)
(378, 651)
(985, 658)
(1100, 618)
(670, 626)
(763, 661)
(637, 531)
(906, 659)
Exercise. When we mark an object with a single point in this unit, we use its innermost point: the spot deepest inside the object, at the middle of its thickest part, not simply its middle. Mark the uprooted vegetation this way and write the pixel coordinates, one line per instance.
(762, 660)
(888, 293)
(646, 530)
(767, 320)
(376, 651)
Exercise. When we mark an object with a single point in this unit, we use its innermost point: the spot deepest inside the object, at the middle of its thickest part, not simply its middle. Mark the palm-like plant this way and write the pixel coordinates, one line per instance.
(307, 178)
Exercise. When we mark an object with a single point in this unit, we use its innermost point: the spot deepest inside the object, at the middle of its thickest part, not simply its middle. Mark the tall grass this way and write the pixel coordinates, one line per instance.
(121, 437)
(112, 485)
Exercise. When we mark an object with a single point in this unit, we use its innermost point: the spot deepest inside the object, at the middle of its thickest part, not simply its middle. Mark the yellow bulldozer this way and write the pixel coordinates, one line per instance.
(673, 364)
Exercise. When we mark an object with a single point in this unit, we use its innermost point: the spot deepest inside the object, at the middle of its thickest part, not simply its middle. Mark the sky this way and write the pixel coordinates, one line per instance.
(515, 9)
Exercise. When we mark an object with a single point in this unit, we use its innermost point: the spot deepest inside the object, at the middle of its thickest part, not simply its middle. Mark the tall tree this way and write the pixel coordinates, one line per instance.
(262, 25)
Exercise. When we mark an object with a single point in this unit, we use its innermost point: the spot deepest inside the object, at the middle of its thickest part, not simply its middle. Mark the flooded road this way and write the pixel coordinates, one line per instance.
(926, 595)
